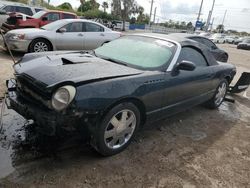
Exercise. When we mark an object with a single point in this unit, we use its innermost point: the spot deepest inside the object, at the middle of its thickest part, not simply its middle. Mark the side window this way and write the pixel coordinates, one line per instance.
(24, 10)
(91, 27)
(74, 27)
(9, 8)
(193, 55)
(53, 16)
(68, 16)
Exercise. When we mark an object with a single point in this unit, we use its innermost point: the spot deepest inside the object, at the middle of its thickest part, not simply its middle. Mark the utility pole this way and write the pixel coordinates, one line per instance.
(154, 14)
(211, 28)
(209, 16)
(224, 17)
(199, 14)
(152, 3)
(222, 24)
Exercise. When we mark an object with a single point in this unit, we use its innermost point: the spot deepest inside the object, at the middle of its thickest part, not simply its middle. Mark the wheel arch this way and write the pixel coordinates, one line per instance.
(43, 38)
(137, 102)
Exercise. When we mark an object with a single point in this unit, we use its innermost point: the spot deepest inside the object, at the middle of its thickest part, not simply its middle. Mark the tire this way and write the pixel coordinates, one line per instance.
(113, 137)
(218, 97)
(40, 45)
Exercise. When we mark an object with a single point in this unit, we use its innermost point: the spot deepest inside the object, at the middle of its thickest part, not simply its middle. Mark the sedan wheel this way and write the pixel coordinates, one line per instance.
(40, 45)
(117, 129)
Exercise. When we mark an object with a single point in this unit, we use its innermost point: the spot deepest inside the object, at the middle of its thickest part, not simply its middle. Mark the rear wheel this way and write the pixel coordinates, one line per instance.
(219, 95)
(117, 129)
(40, 45)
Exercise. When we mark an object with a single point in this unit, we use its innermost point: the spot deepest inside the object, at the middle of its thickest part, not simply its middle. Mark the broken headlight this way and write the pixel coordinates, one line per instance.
(63, 97)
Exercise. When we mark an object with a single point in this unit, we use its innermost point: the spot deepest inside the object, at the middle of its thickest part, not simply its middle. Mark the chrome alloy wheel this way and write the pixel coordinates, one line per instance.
(221, 92)
(41, 47)
(120, 129)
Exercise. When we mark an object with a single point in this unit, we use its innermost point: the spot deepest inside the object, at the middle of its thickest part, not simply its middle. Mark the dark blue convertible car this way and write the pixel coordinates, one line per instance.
(114, 89)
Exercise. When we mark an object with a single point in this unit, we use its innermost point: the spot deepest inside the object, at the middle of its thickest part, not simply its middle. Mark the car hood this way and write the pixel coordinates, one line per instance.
(69, 67)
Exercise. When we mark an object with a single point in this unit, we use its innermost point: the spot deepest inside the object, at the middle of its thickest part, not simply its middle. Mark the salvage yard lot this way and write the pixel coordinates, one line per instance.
(196, 148)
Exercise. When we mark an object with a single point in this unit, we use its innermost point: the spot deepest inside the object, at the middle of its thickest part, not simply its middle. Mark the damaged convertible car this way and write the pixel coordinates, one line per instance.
(111, 91)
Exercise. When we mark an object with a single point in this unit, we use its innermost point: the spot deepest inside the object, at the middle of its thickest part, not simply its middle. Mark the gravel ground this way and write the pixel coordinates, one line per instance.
(196, 148)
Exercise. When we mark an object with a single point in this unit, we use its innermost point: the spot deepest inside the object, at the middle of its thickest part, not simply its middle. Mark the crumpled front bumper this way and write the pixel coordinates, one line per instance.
(47, 121)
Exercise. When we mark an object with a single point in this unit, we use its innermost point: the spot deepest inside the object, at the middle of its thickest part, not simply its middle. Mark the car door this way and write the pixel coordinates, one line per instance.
(72, 38)
(94, 36)
(187, 88)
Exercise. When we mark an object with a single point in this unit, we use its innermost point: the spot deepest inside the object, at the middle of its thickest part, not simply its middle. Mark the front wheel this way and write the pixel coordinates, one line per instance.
(40, 45)
(117, 129)
(219, 95)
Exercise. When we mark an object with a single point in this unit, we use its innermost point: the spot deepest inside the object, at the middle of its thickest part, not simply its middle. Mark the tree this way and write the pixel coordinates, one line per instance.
(105, 6)
(220, 28)
(129, 7)
(140, 10)
(65, 6)
(88, 5)
(190, 26)
(116, 8)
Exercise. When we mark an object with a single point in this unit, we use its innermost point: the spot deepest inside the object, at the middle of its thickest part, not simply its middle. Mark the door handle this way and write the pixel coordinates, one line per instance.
(80, 35)
(102, 35)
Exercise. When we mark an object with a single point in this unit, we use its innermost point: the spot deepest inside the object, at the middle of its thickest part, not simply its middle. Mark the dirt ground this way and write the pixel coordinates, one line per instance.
(196, 148)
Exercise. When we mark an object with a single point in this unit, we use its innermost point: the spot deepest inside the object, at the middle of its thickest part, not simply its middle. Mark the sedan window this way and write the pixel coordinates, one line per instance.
(193, 55)
(91, 27)
(138, 51)
(74, 27)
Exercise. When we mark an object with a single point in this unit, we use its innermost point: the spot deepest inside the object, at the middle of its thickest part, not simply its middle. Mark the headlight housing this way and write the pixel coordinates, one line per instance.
(17, 37)
(63, 97)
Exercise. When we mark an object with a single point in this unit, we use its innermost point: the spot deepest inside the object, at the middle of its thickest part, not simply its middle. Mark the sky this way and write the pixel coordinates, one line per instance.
(237, 15)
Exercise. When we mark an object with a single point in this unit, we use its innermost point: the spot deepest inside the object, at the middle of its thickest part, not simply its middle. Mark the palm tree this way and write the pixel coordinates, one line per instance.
(140, 10)
(105, 5)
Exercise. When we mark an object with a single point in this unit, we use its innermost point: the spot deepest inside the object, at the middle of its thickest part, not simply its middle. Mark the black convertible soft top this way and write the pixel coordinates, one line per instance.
(183, 41)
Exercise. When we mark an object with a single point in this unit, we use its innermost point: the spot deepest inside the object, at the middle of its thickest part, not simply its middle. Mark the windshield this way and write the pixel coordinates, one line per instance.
(54, 25)
(38, 14)
(139, 51)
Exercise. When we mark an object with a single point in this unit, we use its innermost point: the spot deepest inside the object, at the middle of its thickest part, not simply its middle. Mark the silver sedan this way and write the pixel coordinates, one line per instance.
(68, 34)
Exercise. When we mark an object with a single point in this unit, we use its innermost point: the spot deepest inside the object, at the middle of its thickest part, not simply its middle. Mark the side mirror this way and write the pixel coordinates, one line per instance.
(186, 65)
(44, 19)
(3, 12)
(62, 30)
